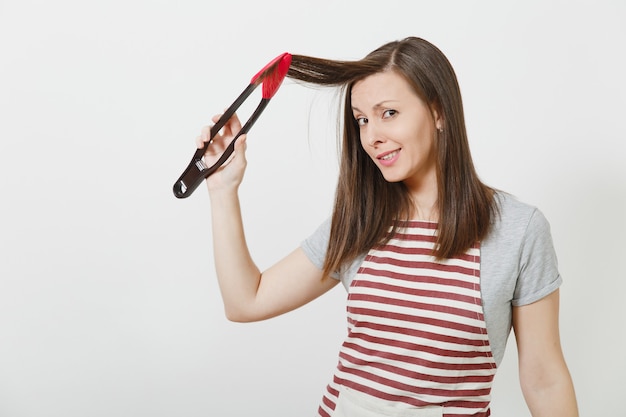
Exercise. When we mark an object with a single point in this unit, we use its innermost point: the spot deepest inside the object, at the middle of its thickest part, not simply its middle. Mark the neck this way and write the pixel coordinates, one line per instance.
(425, 210)
(425, 195)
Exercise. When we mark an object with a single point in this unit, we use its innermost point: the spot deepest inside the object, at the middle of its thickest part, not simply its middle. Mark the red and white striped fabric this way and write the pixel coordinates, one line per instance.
(416, 330)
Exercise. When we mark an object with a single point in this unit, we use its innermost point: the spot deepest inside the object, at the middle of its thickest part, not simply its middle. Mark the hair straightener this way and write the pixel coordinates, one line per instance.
(271, 77)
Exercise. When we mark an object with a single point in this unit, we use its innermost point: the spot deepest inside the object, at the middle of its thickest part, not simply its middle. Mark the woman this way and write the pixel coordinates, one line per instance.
(438, 266)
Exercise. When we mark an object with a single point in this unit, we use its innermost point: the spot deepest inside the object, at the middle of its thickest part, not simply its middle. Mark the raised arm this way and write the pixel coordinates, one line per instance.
(249, 294)
(544, 376)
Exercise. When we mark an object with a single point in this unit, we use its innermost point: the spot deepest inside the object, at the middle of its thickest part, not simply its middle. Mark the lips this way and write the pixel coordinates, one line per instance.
(388, 155)
(388, 158)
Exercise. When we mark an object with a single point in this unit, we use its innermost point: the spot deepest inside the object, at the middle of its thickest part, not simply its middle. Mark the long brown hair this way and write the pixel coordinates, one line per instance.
(366, 205)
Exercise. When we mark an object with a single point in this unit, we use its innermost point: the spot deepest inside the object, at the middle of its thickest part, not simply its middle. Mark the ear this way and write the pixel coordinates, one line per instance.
(437, 118)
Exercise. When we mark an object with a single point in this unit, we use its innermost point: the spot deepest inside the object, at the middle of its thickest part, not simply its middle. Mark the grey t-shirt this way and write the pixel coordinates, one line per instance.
(518, 265)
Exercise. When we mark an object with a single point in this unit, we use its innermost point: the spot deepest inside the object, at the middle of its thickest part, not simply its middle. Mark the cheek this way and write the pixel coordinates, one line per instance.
(370, 153)
(424, 136)
(363, 143)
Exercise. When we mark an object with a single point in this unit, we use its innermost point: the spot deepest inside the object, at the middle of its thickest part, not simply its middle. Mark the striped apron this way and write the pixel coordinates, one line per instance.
(417, 342)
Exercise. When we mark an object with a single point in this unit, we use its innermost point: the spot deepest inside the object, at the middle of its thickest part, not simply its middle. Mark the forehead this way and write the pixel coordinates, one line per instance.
(379, 87)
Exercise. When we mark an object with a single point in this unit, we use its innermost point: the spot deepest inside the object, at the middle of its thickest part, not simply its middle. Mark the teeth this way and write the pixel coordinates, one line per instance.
(389, 156)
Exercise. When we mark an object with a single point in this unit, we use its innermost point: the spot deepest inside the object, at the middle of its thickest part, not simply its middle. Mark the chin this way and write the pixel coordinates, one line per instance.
(394, 178)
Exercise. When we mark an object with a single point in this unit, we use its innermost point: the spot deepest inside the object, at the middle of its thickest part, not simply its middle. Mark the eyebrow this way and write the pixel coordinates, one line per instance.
(377, 105)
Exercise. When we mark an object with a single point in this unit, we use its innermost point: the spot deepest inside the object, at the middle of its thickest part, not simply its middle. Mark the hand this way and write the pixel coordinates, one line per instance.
(230, 174)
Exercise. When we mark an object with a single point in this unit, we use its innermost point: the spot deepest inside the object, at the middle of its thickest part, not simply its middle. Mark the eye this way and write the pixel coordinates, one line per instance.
(361, 121)
(389, 113)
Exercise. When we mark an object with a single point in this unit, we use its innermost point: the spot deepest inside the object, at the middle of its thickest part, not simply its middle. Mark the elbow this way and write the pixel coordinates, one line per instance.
(237, 315)
(235, 318)
(550, 393)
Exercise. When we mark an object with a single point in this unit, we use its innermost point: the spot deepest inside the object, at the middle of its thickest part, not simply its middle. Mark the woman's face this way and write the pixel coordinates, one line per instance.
(397, 129)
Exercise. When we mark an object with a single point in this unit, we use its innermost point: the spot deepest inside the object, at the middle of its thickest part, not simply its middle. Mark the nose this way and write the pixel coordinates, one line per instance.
(374, 136)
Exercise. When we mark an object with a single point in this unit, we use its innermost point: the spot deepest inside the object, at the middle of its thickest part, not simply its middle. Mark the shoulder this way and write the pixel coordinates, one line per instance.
(514, 219)
(520, 251)
(316, 243)
(315, 247)
(519, 235)
(510, 208)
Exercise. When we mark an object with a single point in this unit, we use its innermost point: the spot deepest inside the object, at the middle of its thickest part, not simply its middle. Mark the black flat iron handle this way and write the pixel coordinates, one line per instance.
(197, 170)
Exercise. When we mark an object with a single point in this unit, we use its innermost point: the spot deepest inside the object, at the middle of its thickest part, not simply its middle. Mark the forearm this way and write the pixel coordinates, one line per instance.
(237, 275)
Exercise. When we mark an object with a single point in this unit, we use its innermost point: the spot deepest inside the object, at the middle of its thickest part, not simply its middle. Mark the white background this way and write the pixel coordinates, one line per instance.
(108, 300)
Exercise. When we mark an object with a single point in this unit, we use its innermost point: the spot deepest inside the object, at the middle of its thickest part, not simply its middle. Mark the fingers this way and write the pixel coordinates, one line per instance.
(233, 123)
(205, 136)
(232, 126)
(226, 134)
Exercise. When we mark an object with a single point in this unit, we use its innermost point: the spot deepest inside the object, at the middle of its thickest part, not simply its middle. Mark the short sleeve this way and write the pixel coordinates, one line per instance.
(538, 274)
(316, 244)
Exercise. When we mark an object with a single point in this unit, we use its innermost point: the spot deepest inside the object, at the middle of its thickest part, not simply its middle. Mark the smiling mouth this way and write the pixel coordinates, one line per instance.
(389, 156)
